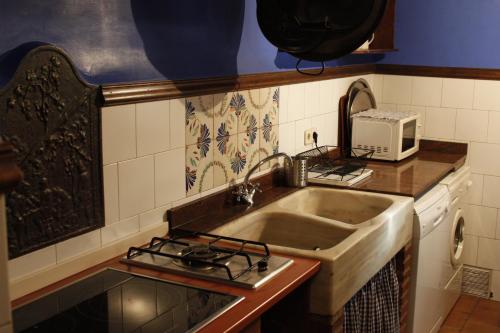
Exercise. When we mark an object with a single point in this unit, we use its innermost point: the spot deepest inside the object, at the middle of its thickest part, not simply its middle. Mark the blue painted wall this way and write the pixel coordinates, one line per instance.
(121, 41)
(450, 33)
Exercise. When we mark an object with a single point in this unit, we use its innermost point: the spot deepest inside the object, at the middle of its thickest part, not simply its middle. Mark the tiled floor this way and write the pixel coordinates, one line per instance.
(472, 314)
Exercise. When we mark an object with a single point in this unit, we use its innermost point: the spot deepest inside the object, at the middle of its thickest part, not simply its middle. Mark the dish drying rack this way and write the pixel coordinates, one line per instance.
(327, 161)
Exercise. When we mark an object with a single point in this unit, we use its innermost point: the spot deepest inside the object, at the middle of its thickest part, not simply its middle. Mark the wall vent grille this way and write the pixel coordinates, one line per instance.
(476, 281)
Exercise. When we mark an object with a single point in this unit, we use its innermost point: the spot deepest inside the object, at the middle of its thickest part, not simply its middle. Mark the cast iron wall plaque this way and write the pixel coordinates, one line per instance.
(51, 117)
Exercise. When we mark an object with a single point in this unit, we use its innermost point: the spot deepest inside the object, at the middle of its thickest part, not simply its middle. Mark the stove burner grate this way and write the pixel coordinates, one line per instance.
(204, 257)
(198, 253)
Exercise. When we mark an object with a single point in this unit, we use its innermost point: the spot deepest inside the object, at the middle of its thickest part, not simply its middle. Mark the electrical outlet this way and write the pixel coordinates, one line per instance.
(308, 136)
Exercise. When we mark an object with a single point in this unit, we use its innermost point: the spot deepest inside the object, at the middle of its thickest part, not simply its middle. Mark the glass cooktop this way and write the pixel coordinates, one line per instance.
(114, 301)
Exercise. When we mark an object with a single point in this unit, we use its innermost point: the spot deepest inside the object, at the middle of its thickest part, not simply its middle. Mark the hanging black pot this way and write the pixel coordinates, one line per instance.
(319, 30)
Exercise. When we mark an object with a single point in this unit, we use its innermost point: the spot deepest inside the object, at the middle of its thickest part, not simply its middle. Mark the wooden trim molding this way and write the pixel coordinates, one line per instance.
(126, 93)
(448, 72)
(138, 92)
(10, 174)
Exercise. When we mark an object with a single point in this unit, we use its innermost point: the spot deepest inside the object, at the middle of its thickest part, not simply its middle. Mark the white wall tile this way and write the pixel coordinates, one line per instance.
(136, 186)
(475, 193)
(287, 138)
(119, 230)
(491, 191)
(397, 89)
(327, 127)
(480, 221)
(470, 250)
(344, 83)
(153, 127)
(440, 123)
(300, 127)
(311, 103)
(457, 93)
(487, 95)
(111, 204)
(336, 95)
(405, 107)
(495, 285)
(328, 96)
(118, 133)
(177, 123)
(387, 107)
(296, 102)
(283, 106)
(497, 234)
(427, 91)
(485, 158)
(487, 253)
(191, 198)
(32, 262)
(170, 176)
(78, 245)
(153, 217)
(378, 82)
(471, 125)
(494, 127)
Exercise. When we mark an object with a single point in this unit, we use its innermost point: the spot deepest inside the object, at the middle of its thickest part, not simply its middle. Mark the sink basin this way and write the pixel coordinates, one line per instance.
(343, 206)
(290, 230)
(356, 232)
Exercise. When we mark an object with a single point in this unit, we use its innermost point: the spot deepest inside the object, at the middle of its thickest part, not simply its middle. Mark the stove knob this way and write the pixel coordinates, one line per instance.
(262, 266)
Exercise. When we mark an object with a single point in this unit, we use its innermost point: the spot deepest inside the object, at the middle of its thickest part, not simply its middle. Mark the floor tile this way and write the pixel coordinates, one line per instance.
(473, 314)
(485, 315)
(484, 304)
(456, 319)
(473, 327)
(466, 303)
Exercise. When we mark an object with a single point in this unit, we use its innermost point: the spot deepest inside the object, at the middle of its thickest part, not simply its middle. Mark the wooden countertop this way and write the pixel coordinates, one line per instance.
(256, 301)
(417, 174)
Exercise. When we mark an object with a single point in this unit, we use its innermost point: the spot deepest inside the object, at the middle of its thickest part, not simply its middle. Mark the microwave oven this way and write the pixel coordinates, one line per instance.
(391, 135)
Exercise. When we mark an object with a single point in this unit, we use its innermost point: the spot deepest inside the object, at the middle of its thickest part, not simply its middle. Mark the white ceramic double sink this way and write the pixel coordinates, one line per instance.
(354, 234)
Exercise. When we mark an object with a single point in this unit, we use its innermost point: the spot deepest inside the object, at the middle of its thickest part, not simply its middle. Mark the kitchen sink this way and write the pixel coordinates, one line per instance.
(353, 233)
(290, 230)
(347, 207)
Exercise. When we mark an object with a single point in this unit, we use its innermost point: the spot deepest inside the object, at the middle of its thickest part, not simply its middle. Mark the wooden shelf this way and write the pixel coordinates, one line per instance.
(374, 51)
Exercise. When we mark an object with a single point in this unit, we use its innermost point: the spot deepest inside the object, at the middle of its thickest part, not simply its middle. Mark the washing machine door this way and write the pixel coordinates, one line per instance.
(457, 239)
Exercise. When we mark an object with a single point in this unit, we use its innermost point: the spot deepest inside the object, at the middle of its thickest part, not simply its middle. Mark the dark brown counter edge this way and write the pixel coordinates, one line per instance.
(243, 314)
(10, 174)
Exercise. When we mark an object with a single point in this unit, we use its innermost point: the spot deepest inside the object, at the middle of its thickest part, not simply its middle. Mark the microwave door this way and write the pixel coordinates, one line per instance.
(409, 137)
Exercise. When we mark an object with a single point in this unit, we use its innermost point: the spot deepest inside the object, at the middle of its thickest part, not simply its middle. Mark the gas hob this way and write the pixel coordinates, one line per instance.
(208, 257)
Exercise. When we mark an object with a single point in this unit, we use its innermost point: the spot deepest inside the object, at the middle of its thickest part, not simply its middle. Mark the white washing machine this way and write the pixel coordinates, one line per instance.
(458, 184)
(430, 260)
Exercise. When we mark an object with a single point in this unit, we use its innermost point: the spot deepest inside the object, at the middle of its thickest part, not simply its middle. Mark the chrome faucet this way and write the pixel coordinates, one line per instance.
(247, 190)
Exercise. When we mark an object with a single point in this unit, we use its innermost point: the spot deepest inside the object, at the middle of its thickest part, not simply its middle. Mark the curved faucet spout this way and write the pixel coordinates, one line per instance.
(247, 190)
(267, 159)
